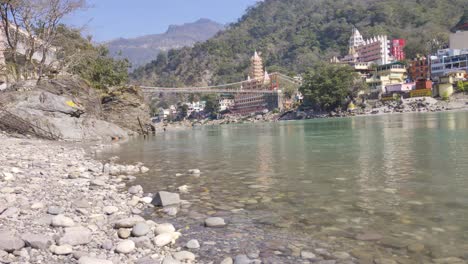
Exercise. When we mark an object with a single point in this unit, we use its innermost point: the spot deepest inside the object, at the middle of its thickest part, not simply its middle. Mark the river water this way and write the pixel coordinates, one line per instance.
(402, 179)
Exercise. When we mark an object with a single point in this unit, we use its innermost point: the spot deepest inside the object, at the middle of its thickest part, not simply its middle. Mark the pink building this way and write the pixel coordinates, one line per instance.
(397, 49)
(401, 87)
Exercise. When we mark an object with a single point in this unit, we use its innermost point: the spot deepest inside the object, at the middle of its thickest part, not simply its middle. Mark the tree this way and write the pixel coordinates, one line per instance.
(212, 104)
(329, 86)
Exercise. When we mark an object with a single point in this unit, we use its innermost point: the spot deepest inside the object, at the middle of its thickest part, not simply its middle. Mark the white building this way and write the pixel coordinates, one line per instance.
(373, 50)
(447, 61)
(225, 104)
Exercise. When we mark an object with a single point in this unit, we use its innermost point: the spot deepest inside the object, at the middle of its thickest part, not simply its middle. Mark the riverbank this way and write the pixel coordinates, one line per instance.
(59, 206)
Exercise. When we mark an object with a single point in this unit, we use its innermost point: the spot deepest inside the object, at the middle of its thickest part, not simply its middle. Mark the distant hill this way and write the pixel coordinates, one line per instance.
(294, 34)
(144, 49)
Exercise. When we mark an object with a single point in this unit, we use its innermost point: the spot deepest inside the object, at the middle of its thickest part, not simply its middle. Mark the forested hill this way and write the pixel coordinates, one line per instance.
(293, 34)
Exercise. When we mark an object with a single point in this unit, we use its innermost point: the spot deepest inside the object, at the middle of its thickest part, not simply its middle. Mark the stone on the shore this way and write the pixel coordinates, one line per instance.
(37, 205)
(369, 236)
(61, 250)
(307, 255)
(415, 247)
(142, 242)
(192, 244)
(124, 233)
(194, 171)
(170, 210)
(135, 189)
(146, 200)
(184, 256)
(98, 183)
(109, 210)
(125, 247)
(91, 260)
(140, 229)
(129, 222)
(163, 239)
(37, 241)
(164, 228)
(165, 199)
(54, 210)
(242, 259)
(75, 236)
(144, 169)
(9, 242)
(169, 260)
(107, 245)
(62, 221)
(227, 260)
(11, 212)
(385, 261)
(341, 255)
(215, 222)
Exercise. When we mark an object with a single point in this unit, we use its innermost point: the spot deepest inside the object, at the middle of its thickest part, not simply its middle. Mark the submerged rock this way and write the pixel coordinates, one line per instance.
(215, 222)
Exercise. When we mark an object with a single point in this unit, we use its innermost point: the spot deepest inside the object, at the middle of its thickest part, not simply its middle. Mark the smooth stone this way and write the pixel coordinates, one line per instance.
(163, 239)
(136, 211)
(135, 189)
(166, 199)
(142, 242)
(241, 259)
(227, 260)
(38, 205)
(125, 247)
(165, 228)
(170, 260)
(144, 169)
(171, 211)
(11, 212)
(307, 255)
(146, 200)
(62, 221)
(107, 245)
(124, 233)
(37, 241)
(140, 229)
(192, 244)
(81, 204)
(99, 183)
(184, 256)
(61, 250)
(147, 260)
(75, 236)
(215, 222)
(341, 255)
(194, 171)
(129, 222)
(9, 242)
(109, 210)
(91, 260)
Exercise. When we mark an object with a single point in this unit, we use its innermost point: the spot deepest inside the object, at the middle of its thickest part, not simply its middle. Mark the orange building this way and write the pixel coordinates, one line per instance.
(419, 69)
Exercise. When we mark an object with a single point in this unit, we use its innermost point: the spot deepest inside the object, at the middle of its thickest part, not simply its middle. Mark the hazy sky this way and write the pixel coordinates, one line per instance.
(110, 19)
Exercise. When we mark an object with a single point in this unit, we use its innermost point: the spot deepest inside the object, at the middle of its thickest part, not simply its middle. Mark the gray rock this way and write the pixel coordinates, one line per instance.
(81, 204)
(140, 229)
(90, 260)
(97, 182)
(129, 222)
(125, 247)
(107, 245)
(142, 242)
(307, 255)
(35, 206)
(54, 210)
(62, 221)
(369, 236)
(215, 222)
(11, 212)
(165, 228)
(171, 210)
(135, 189)
(241, 259)
(9, 242)
(166, 199)
(147, 260)
(227, 260)
(192, 244)
(37, 241)
(75, 236)
(184, 256)
(170, 260)
(61, 250)
(109, 210)
(163, 239)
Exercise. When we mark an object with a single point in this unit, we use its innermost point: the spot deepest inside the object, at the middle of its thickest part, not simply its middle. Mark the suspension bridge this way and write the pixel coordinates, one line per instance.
(272, 85)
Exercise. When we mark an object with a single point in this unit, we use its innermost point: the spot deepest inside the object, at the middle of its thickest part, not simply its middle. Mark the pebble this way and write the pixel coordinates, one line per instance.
(215, 222)
(75, 236)
(163, 239)
(109, 210)
(37, 241)
(140, 229)
(227, 260)
(164, 228)
(341, 255)
(135, 189)
(125, 247)
(192, 244)
(124, 233)
(241, 259)
(129, 222)
(61, 250)
(416, 247)
(37, 205)
(91, 260)
(170, 260)
(194, 171)
(184, 256)
(307, 255)
(62, 221)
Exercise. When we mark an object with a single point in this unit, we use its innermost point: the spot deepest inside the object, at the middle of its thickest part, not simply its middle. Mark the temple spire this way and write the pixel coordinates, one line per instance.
(256, 71)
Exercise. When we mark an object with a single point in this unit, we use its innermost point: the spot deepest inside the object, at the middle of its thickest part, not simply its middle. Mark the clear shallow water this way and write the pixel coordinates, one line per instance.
(402, 176)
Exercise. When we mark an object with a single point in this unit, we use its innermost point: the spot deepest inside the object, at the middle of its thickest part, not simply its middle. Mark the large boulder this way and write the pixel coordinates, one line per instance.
(75, 236)
(9, 242)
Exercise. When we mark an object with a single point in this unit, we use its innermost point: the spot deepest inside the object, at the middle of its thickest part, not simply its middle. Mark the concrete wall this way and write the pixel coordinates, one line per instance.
(459, 40)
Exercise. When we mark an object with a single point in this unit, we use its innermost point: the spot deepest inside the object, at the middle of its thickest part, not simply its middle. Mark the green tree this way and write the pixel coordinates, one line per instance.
(329, 86)
(212, 104)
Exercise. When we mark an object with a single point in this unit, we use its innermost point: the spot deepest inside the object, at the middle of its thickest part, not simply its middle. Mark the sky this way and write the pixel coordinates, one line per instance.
(110, 19)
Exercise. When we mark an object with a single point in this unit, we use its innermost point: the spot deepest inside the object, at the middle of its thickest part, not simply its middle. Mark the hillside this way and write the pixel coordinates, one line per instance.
(142, 50)
(294, 34)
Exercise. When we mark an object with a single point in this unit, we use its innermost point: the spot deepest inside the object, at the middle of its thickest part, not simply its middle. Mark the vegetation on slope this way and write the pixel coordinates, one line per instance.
(294, 34)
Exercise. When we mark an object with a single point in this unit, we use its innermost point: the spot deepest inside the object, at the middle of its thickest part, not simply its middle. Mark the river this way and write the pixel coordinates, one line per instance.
(395, 180)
